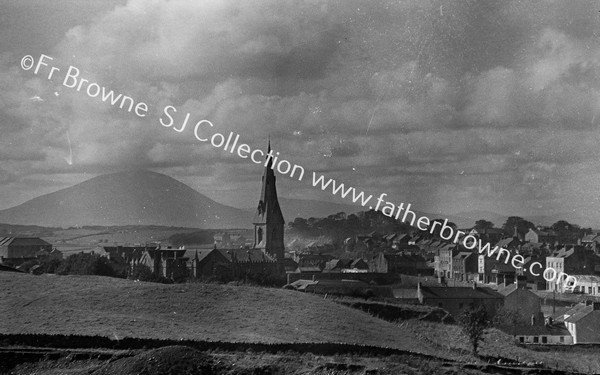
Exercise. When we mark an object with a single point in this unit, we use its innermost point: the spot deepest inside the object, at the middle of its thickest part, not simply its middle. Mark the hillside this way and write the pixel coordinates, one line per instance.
(127, 198)
(93, 305)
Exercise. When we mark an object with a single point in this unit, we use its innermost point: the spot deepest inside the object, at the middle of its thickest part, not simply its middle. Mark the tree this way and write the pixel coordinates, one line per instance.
(86, 264)
(474, 322)
(562, 226)
(483, 224)
(521, 224)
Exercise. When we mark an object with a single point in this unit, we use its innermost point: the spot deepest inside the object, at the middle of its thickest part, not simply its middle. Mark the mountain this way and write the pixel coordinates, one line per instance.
(127, 198)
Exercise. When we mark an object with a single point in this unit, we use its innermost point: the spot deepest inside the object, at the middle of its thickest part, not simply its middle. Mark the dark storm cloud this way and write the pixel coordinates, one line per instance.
(478, 104)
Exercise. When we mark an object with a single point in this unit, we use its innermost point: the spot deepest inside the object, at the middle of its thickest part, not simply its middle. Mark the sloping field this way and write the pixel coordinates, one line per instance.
(94, 305)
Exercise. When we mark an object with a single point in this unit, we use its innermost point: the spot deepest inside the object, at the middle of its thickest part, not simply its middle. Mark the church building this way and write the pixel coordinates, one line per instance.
(267, 253)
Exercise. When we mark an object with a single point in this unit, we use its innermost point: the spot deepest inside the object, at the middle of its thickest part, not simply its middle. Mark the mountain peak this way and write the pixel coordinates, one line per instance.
(135, 197)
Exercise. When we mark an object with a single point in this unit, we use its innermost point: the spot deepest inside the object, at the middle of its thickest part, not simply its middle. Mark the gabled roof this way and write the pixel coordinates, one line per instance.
(23, 241)
(580, 314)
(512, 288)
(542, 232)
(506, 241)
(589, 237)
(587, 279)
(357, 262)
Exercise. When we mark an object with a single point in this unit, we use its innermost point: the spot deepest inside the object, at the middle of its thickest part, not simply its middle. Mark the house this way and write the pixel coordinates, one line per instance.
(313, 260)
(455, 300)
(16, 250)
(592, 242)
(464, 266)
(546, 334)
(222, 240)
(445, 256)
(404, 263)
(537, 281)
(401, 241)
(124, 258)
(521, 301)
(583, 321)
(357, 266)
(587, 284)
(511, 243)
(502, 273)
(540, 236)
(572, 260)
(169, 263)
(492, 235)
(206, 264)
(337, 265)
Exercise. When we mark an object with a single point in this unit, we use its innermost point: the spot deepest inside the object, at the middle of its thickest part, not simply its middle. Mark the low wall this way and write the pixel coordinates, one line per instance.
(377, 278)
(127, 343)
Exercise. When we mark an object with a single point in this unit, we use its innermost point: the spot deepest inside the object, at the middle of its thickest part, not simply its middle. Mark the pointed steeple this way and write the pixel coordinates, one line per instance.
(268, 221)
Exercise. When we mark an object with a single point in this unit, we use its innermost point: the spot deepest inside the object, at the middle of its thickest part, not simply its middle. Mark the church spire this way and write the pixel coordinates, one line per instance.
(268, 221)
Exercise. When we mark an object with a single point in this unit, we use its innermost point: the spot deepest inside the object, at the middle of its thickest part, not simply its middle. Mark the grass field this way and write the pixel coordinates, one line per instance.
(116, 308)
(93, 305)
(75, 240)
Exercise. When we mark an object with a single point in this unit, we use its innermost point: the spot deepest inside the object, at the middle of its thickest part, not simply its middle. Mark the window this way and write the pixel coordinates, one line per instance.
(521, 339)
(536, 340)
(544, 340)
(562, 338)
(260, 235)
(440, 305)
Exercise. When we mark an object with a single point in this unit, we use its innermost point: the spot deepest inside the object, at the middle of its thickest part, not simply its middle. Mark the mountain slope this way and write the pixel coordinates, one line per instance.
(127, 198)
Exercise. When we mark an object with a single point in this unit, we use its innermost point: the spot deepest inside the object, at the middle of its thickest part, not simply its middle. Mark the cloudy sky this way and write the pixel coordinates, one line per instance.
(453, 106)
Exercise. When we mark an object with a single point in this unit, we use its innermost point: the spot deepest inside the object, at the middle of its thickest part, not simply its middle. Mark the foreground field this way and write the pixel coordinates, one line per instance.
(118, 308)
(93, 305)
(183, 360)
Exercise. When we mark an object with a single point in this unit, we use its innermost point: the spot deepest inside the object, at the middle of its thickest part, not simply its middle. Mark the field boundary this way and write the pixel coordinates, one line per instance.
(130, 343)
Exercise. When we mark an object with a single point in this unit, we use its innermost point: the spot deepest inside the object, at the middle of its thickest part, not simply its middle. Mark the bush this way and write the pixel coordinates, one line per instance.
(86, 264)
(142, 272)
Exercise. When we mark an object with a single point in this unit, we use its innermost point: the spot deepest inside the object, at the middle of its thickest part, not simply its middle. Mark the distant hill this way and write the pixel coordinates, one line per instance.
(127, 198)
(547, 220)
(293, 208)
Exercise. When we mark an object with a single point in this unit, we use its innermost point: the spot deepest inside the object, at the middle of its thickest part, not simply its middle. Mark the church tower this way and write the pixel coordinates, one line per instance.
(268, 221)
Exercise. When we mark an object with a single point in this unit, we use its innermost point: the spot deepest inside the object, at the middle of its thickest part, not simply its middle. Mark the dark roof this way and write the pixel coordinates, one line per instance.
(23, 241)
(9, 269)
(246, 255)
(509, 289)
(581, 313)
(507, 241)
(463, 255)
(538, 330)
(459, 293)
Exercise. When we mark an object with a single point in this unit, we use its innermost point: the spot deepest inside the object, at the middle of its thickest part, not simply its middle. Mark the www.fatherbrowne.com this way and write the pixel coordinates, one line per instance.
(446, 231)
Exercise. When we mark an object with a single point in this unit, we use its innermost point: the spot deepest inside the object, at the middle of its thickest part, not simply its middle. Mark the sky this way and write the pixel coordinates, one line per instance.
(452, 106)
